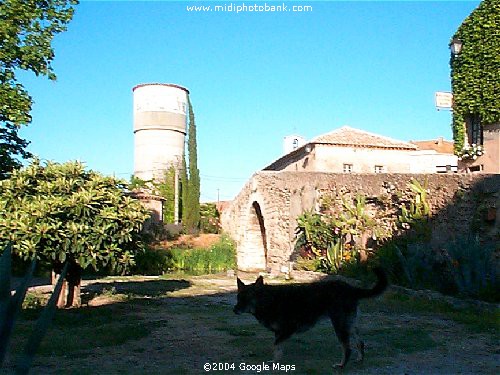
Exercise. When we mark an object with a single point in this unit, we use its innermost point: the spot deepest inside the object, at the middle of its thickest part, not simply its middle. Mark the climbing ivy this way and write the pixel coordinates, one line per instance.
(475, 71)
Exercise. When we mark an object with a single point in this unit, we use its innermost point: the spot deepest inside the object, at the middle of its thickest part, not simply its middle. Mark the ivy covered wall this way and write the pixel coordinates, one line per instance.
(475, 72)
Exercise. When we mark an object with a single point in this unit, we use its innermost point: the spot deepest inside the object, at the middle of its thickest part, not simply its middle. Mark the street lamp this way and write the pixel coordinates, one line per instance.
(456, 46)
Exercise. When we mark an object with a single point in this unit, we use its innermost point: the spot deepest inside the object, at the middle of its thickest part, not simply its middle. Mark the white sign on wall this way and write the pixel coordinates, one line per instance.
(444, 100)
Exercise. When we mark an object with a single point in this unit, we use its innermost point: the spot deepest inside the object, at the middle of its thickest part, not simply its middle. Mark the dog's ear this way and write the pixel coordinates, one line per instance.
(259, 282)
(240, 283)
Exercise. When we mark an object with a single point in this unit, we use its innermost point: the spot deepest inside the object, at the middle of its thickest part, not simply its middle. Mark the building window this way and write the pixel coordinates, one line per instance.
(475, 168)
(347, 168)
(446, 169)
(379, 169)
(474, 130)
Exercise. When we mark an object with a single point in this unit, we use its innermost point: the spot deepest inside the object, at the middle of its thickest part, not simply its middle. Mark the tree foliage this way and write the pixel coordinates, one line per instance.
(60, 212)
(11, 147)
(184, 189)
(209, 218)
(191, 209)
(475, 71)
(163, 187)
(166, 188)
(27, 28)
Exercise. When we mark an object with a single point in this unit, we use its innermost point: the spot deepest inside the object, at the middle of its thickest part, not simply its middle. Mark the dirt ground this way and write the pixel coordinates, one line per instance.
(194, 326)
(203, 240)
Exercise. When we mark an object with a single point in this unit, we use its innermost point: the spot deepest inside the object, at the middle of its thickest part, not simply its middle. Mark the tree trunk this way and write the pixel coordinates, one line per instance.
(363, 255)
(70, 293)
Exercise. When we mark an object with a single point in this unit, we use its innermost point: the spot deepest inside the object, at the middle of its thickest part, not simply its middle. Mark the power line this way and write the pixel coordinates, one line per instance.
(224, 178)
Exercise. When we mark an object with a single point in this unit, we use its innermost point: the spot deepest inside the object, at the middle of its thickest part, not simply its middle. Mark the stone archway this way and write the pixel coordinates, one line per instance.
(253, 254)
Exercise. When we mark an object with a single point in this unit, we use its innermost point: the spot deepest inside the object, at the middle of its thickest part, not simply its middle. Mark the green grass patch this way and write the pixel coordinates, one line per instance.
(221, 256)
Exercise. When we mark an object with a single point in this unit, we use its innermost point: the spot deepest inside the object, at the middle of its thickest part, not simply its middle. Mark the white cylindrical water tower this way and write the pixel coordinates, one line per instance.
(159, 128)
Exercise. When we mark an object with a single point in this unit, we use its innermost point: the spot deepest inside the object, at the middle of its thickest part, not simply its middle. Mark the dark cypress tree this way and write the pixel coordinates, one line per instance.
(192, 204)
(184, 190)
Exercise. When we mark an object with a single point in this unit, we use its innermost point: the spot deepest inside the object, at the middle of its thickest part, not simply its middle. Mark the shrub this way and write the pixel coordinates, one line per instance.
(209, 218)
(10, 306)
(463, 267)
(152, 262)
(64, 212)
(220, 256)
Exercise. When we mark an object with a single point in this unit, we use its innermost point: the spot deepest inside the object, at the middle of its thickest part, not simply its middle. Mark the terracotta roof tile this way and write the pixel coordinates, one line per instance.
(354, 137)
(440, 145)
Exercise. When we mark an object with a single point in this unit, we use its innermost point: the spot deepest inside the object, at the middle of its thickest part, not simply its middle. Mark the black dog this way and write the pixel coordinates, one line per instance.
(287, 309)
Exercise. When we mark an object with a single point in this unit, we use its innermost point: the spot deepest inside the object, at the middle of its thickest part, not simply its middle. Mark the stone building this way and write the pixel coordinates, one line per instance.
(349, 150)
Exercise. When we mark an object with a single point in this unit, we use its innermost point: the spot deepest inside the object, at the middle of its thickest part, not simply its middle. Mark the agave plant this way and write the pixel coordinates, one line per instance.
(334, 254)
(10, 306)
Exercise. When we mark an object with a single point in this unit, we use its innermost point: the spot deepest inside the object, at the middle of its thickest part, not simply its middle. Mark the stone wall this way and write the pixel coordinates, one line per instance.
(271, 201)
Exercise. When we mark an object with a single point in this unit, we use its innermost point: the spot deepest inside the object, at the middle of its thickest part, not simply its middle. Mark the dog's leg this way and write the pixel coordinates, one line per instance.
(346, 351)
(282, 335)
(343, 334)
(279, 337)
(360, 345)
(278, 352)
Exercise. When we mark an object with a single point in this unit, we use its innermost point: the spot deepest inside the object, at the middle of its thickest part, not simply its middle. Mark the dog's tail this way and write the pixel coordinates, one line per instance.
(379, 287)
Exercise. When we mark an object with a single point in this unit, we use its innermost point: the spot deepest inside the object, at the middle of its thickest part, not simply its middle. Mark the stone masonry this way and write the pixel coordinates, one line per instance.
(262, 218)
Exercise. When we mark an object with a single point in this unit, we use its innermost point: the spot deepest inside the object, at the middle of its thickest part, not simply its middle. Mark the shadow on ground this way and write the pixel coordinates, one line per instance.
(177, 326)
(132, 289)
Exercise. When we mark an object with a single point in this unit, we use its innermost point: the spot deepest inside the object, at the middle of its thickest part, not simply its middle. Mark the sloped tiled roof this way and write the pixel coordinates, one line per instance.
(348, 136)
(440, 145)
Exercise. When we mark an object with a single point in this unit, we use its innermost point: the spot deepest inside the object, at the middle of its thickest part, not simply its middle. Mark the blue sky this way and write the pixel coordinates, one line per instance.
(254, 78)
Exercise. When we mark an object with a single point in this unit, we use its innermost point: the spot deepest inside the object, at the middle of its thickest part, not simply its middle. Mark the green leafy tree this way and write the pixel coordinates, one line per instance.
(27, 28)
(475, 71)
(166, 188)
(63, 212)
(192, 202)
(209, 218)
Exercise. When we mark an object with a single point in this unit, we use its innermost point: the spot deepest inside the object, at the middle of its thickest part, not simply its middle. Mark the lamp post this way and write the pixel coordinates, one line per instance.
(456, 46)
